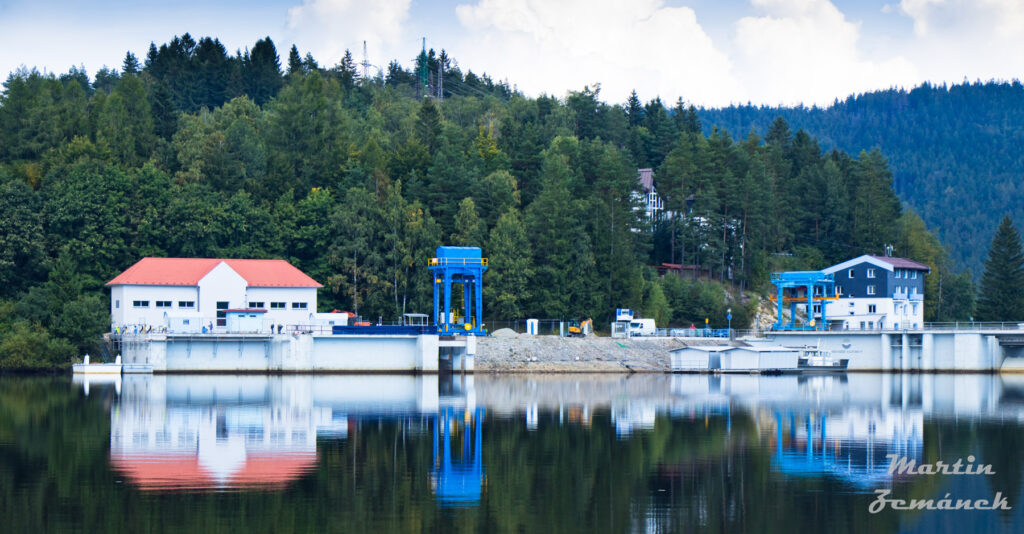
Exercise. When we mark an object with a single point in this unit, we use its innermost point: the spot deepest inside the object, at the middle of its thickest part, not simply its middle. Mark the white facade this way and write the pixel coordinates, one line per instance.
(134, 307)
(876, 313)
(284, 305)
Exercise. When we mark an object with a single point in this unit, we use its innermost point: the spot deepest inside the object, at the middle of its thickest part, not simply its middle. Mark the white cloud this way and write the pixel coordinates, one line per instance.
(806, 51)
(1001, 19)
(974, 39)
(557, 46)
(328, 27)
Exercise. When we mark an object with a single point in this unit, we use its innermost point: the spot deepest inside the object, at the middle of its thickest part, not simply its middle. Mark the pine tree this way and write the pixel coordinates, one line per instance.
(263, 71)
(294, 61)
(428, 124)
(634, 109)
(1002, 285)
(507, 288)
(469, 229)
(130, 65)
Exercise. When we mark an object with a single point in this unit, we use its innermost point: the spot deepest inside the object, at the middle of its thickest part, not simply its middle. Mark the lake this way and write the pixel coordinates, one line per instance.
(507, 453)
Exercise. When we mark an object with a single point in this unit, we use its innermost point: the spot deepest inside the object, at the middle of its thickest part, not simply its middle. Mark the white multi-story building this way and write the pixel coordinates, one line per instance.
(190, 293)
(878, 292)
(651, 203)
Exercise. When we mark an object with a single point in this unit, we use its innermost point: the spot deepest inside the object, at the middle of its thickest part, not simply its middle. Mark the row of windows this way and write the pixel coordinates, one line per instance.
(278, 305)
(906, 273)
(158, 304)
(191, 304)
(899, 273)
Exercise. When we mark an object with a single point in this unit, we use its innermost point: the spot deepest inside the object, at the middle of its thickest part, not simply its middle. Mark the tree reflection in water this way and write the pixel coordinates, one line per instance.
(651, 453)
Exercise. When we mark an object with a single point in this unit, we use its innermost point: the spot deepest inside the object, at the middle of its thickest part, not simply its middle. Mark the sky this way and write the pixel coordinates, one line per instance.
(707, 52)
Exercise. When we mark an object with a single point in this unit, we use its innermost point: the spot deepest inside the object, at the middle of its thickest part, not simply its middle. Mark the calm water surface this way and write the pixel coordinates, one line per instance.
(652, 453)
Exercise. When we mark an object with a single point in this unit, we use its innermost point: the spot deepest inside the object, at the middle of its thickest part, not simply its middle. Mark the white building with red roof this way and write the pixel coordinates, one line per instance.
(195, 292)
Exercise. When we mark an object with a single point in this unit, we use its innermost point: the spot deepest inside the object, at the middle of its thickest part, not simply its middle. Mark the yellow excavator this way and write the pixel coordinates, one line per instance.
(578, 329)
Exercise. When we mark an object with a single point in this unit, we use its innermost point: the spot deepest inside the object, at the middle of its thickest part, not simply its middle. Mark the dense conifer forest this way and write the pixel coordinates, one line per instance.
(954, 151)
(194, 151)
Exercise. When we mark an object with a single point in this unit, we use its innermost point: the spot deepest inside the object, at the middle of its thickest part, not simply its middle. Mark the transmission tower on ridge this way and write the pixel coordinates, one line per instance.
(365, 63)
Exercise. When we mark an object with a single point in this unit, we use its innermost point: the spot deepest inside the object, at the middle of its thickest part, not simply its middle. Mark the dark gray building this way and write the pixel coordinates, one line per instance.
(878, 292)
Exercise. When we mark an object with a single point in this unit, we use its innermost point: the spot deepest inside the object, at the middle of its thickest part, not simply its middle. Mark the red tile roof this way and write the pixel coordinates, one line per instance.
(188, 272)
(182, 471)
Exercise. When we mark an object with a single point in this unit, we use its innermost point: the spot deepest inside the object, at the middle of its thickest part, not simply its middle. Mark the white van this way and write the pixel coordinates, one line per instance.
(642, 327)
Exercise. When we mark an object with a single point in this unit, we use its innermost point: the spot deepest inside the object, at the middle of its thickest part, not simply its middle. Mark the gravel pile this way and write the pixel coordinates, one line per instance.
(523, 353)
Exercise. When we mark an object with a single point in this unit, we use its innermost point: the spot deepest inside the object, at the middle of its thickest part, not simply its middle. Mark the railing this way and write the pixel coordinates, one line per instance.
(435, 262)
(935, 326)
(975, 325)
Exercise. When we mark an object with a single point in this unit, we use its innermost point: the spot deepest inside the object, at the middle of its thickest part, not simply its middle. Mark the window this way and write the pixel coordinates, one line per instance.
(914, 276)
(871, 290)
(871, 273)
(277, 305)
(872, 308)
(850, 273)
(221, 313)
(839, 290)
(915, 309)
(140, 303)
(862, 325)
(298, 305)
(186, 304)
(185, 321)
(163, 304)
(117, 303)
(817, 308)
(256, 304)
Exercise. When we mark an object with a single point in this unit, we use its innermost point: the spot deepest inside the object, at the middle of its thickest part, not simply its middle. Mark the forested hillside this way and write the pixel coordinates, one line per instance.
(955, 152)
(193, 151)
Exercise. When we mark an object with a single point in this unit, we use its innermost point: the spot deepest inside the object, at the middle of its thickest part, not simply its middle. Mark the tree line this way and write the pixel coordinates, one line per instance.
(355, 180)
(953, 150)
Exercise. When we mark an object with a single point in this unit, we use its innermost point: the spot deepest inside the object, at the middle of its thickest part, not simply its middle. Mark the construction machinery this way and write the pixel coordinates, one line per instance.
(580, 329)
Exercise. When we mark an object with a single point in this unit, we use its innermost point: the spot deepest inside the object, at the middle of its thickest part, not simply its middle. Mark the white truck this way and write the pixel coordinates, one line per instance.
(642, 327)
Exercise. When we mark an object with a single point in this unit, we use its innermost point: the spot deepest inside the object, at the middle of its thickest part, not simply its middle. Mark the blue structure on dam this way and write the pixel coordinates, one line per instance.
(808, 288)
(454, 266)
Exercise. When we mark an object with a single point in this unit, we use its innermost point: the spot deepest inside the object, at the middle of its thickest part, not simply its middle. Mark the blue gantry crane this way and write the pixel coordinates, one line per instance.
(463, 266)
(805, 287)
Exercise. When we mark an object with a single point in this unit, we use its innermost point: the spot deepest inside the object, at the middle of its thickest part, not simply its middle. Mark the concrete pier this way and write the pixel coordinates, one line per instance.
(953, 350)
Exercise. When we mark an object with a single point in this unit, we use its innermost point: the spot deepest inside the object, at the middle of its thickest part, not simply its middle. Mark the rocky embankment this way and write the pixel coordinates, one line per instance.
(506, 351)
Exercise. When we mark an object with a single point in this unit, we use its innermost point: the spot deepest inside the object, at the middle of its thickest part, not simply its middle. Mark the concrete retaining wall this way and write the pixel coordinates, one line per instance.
(291, 353)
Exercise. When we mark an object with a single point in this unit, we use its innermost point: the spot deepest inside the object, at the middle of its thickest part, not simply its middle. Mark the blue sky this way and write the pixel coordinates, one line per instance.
(707, 52)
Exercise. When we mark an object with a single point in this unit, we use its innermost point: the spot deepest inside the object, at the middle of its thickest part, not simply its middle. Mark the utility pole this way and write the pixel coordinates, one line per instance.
(423, 68)
(440, 78)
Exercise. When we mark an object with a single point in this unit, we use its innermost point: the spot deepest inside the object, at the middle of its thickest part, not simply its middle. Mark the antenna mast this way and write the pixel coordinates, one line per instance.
(366, 63)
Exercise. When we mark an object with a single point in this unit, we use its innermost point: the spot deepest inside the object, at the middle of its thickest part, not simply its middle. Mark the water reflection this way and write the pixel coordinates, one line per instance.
(654, 453)
(457, 478)
(188, 432)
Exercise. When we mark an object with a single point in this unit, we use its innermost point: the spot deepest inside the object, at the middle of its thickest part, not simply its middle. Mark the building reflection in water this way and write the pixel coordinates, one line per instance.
(198, 433)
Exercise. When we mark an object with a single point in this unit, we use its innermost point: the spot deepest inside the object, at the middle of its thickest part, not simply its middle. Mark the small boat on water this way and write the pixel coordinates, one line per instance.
(815, 360)
(88, 368)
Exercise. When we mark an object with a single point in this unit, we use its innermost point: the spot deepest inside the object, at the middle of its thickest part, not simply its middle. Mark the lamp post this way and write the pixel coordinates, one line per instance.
(728, 317)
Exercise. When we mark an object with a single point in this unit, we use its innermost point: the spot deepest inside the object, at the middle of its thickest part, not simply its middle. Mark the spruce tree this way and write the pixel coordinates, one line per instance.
(470, 231)
(294, 61)
(507, 288)
(1002, 285)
